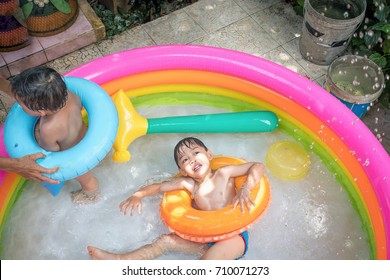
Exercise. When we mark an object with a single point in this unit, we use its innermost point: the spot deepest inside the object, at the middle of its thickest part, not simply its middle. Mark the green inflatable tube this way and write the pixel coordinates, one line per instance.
(257, 121)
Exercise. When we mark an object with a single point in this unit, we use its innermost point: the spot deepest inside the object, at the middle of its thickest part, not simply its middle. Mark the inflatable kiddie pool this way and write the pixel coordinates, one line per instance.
(219, 78)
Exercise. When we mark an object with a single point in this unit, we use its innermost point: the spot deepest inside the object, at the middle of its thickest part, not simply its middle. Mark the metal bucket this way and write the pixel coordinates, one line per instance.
(356, 81)
(328, 27)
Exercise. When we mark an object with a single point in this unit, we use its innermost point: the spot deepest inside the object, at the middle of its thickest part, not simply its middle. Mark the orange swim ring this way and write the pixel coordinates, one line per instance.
(209, 226)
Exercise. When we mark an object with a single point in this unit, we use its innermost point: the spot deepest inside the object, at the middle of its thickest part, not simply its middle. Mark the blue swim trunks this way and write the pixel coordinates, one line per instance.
(245, 237)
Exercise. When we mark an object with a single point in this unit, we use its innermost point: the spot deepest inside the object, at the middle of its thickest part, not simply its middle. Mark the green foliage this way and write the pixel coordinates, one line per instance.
(139, 12)
(27, 9)
(117, 23)
(30, 8)
(62, 6)
(372, 39)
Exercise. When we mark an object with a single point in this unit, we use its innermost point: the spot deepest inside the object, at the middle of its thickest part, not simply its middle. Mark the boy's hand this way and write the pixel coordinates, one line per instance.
(130, 204)
(243, 197)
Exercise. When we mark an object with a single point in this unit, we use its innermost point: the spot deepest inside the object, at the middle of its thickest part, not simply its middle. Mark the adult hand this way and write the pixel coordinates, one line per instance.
(27, 167)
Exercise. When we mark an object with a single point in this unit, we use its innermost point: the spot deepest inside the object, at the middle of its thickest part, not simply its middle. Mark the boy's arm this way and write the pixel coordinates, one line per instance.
(135, 201)
(255, 173)
(171, 185)
(253, 170)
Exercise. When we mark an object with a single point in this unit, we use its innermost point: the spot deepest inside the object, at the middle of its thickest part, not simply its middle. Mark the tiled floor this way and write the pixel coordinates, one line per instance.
(265, 28)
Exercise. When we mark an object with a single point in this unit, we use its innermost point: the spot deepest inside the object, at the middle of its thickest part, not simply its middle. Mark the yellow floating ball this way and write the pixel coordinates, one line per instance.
(287, 160)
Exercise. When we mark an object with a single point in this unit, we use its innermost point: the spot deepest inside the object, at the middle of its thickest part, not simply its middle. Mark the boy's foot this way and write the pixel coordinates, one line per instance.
(99, 254)
(85, 197)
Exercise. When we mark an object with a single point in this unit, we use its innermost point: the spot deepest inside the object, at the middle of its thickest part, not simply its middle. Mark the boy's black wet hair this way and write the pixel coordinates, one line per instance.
(40, 88)
(188, 142)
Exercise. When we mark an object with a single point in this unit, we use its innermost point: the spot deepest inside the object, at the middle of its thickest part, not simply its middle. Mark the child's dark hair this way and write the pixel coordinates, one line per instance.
(188, 142)
(40, 88)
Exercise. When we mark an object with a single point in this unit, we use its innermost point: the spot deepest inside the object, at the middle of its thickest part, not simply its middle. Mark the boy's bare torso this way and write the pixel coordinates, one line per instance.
(63, 129)
(216, 192)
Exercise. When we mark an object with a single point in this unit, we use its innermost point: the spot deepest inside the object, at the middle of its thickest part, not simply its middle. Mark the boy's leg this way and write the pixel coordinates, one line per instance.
(89, 192)
(229, 249)
(164, 244)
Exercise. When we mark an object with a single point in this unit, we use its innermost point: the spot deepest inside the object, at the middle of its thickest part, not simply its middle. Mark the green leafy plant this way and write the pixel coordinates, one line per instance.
(297, 6)
(139, 12)
(44, 7)
(372, 40)
(117, 23)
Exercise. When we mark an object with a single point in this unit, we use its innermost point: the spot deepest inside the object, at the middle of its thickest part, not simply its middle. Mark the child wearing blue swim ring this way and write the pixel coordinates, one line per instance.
(42, 93)
(210, 190)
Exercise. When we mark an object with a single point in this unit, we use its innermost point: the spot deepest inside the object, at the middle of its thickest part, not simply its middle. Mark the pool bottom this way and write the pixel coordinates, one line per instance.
(66, 225)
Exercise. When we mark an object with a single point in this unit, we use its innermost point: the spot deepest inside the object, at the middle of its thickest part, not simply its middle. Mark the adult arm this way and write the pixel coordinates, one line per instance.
(27, 167)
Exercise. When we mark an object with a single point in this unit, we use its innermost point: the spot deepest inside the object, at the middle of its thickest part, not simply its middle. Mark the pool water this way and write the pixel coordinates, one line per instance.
(312, 218)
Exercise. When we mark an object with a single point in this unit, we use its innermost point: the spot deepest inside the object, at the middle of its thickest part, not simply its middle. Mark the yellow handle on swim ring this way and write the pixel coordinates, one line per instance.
(131, 126)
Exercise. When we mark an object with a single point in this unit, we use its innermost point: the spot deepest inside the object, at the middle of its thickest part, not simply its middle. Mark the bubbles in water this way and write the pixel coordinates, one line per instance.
(348, 243)
(355, 82)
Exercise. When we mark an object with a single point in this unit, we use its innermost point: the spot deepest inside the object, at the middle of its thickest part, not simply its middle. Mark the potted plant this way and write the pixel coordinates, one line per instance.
(13, 33)
(49, 17)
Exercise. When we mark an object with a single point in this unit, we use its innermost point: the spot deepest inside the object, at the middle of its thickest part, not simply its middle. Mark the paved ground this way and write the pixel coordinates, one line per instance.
(265, 28)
